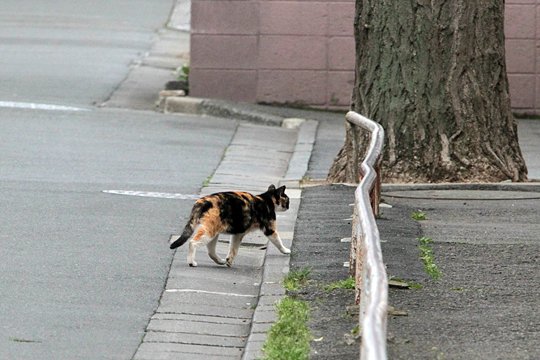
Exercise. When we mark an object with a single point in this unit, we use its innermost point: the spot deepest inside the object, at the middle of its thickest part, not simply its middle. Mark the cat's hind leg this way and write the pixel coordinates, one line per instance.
(202, 237)
(192, 249)
(234, 245)
(212, 251)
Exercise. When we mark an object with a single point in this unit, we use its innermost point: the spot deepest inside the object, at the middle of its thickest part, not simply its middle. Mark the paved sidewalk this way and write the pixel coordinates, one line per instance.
(214, 312)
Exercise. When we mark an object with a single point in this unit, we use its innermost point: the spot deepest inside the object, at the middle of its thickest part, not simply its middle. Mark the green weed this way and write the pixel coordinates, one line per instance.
(183, 73)
(206, 181)
(296, 279)
(348, 283)
(418, 215)
(289, 337)
(426, 254)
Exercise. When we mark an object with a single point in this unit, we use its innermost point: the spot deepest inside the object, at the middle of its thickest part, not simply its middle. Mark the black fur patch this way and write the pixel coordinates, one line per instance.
(204, 207)
(236, 212)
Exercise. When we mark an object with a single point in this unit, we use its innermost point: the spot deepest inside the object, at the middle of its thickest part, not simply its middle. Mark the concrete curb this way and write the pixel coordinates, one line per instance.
(505, 186)
(219, 108)
(276, 266)
(299, 162)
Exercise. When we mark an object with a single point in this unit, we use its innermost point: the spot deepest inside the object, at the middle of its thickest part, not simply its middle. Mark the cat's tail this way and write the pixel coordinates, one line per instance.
(200, 207)
(186, 234)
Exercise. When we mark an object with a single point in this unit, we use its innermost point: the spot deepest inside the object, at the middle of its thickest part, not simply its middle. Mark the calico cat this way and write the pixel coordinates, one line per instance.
(236, 213)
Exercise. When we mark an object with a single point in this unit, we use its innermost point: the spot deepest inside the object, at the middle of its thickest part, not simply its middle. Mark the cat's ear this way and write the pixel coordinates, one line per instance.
(281, 190)
(271, 188)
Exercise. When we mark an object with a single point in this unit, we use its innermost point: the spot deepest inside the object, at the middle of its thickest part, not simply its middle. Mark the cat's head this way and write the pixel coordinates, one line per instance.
(280, 199)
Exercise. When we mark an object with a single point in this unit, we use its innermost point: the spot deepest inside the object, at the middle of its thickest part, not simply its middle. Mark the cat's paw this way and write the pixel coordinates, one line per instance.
(193, 264)
(229, 262)
(221, 261)
(285, 251)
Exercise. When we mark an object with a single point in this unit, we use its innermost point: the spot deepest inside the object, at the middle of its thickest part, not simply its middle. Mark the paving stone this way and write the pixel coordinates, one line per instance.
(253, 350)
(272, 289)
(201, 318)
(150, 350)
(264, 316)
(212, 298)
(198, 327)
(245, 286)
(196, 339)
(217, 310)
(261, 327)
(274, 273)
(257, 337)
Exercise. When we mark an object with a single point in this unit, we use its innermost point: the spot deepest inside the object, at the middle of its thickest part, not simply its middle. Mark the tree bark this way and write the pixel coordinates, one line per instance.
(433, 74)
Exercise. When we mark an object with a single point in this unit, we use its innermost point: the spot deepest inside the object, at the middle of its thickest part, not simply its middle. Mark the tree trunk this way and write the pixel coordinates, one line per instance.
(433, 74)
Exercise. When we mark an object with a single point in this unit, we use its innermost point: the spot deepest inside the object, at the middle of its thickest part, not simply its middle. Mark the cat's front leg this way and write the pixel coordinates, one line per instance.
(274, 237)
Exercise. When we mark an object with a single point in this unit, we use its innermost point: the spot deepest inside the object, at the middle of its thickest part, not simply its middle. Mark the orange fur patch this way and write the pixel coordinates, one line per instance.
(211, 222)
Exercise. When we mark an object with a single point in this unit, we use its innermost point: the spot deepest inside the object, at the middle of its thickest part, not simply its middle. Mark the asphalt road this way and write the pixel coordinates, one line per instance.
(73, 51)
(81, 270)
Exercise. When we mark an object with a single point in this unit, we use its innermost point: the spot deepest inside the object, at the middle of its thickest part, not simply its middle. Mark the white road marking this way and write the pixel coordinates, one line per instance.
(36, 106)
(208, 292)
(152, 194)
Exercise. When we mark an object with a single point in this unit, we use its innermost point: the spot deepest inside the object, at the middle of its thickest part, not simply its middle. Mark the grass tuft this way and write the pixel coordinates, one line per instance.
(289, 337)
(418, 215)
(426, 254)
(296, 279)
(206, 181)
(348, 284)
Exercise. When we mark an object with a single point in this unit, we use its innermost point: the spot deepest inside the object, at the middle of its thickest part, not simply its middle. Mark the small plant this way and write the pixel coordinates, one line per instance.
(296, 279)
(183, 73)
(426, 254)
(418, 215)
(206, 181)
(289, 337)
(415, 286)
(347, 283)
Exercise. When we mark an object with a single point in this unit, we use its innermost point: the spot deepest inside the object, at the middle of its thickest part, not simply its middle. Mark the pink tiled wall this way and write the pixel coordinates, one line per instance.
(522, 38)
(273, 51)
(302, 51)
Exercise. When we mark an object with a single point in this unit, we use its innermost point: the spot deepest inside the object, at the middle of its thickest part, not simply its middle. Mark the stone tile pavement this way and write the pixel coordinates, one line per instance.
(215, 312)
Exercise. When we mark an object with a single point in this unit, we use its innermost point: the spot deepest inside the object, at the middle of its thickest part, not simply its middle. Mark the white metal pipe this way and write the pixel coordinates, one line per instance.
(374, 296)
